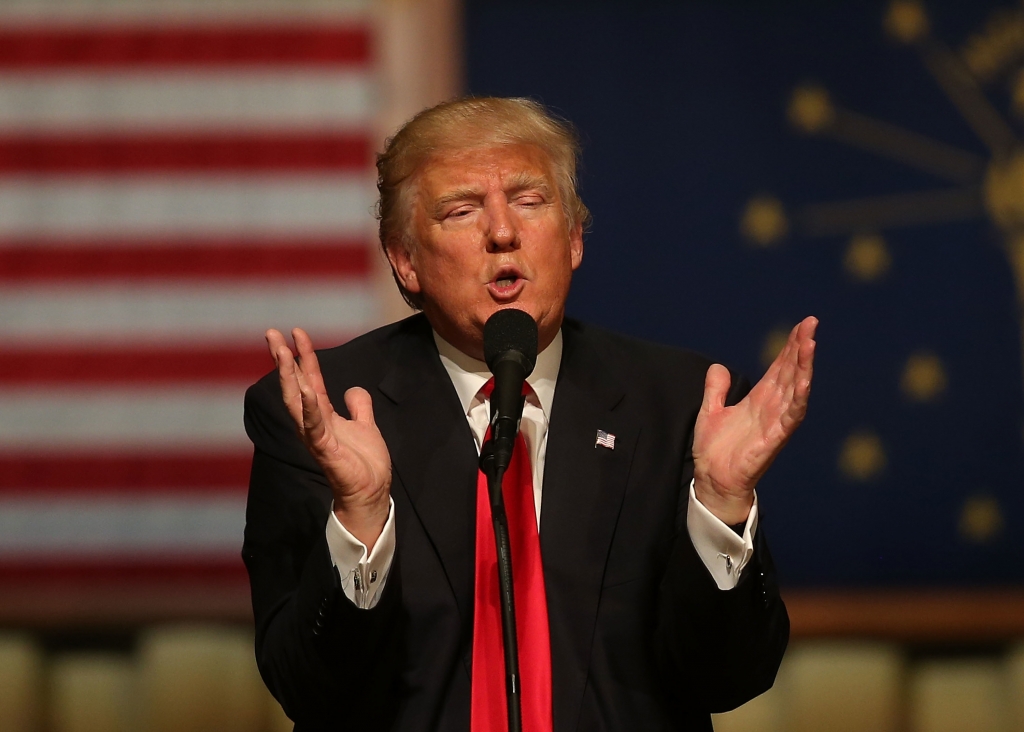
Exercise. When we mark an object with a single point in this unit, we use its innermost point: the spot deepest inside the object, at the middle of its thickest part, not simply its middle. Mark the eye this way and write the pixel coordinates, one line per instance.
(458, 213)
(529, 200)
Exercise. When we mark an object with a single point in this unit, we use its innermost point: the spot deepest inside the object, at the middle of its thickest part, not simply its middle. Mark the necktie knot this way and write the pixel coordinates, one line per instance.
(488, 388)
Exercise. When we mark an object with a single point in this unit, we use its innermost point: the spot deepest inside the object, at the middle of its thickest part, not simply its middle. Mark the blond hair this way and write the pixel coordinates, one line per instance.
(463, 124)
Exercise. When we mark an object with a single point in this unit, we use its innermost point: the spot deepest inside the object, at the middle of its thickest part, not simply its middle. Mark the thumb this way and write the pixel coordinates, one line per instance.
(360, 405)
(716, 387)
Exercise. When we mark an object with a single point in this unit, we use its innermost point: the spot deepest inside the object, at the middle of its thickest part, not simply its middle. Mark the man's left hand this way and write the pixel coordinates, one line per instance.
(733, 446)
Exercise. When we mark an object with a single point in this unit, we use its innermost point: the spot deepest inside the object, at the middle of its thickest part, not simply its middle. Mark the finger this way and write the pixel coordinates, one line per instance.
(716, 388)
(310, 365)
(313, 426)
(290, 390)
(360, 405)
(807, 327)
(801, 389)
(772, 375)
(787, 362)
(805, 369)
(275, 341)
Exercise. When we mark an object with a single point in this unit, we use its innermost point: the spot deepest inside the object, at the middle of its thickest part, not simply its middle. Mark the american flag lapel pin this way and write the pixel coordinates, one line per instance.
(605, 439)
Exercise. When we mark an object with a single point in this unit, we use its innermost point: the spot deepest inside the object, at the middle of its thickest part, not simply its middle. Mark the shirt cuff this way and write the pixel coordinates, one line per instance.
(363, 574)
(724, 552)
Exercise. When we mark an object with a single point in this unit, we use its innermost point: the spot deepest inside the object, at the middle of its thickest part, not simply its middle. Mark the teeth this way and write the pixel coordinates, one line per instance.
(506, 281)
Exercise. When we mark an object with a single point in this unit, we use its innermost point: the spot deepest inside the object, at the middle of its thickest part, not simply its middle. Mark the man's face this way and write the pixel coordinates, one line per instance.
(490, 233)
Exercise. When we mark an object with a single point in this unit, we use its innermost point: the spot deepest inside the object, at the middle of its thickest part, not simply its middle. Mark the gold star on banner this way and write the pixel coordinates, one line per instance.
(1004, 191)
(862, 456)
(906, 21)
(810, 109)
(764, 221)
(774, 342)
(924, 377)
(867, 258)
(981, 519)
(1018, 94)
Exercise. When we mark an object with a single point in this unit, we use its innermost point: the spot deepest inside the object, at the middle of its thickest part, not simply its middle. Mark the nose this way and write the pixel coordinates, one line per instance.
(502, 232)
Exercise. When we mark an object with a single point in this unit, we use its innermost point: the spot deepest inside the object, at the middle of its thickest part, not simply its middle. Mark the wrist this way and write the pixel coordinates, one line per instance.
(364, 519)
(731, 508)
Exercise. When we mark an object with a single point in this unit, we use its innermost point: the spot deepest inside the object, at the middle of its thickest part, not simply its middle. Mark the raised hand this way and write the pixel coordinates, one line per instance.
(351, 452)
(733, 446)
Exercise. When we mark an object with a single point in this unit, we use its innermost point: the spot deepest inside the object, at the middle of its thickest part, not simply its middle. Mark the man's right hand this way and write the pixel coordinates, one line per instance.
(351, 452)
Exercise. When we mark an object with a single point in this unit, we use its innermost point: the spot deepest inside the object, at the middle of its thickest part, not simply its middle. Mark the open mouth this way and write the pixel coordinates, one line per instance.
(507, 283)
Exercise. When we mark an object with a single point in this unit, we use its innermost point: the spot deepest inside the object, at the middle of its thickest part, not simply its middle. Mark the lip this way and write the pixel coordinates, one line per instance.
(506, 293)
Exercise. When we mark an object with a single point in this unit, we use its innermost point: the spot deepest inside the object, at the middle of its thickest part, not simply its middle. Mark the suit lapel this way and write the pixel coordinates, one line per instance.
(583, 491)
(433, 455)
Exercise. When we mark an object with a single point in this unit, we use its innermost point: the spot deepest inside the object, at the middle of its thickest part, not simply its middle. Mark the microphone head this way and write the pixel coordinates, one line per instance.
(511, 333)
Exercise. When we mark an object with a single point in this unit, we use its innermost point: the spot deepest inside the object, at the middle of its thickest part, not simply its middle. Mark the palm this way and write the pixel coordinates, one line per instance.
(734, 446)
(351, 452)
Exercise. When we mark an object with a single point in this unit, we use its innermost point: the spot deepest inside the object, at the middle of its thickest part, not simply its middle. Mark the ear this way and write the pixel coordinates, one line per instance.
(576, 245)
(402, 265)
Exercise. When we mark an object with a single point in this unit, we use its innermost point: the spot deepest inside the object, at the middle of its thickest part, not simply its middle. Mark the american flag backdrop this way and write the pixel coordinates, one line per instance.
(175, 177)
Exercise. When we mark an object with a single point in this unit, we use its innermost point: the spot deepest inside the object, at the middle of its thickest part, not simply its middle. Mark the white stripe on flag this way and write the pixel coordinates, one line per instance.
(224, 205)
(195, 418)
(220, 313)
(79, 525)
(85, 11)
(183, 101)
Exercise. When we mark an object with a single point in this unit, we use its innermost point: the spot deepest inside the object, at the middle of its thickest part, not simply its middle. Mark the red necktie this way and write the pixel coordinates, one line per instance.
(489, 711)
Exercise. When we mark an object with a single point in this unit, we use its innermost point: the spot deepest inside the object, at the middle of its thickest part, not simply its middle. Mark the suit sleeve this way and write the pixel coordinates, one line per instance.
(719, 648)
(329, 664)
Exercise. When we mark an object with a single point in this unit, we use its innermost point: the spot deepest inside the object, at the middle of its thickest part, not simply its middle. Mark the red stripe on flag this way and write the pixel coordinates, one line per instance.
(22, 572)
(123, 472)
(245, 152)
(134, 47)
(55, 260)
(139, 365)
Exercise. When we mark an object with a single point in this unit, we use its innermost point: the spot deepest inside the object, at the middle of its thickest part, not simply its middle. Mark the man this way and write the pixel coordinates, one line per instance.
(361, 530)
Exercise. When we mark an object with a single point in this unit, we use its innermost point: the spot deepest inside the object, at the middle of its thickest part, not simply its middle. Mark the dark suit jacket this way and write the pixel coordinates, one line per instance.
(641, 637)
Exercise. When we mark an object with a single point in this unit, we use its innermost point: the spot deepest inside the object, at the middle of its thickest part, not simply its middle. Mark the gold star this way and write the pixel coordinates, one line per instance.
(981, 519)
(764, 221)
(924, 377)
(1004, 194)
(867, 257)
(862, 456)
(906, 21)
(810, 109)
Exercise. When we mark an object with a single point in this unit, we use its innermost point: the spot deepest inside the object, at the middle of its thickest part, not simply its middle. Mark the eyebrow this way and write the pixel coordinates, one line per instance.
(514, 184)
(524, 181)
(457, 195)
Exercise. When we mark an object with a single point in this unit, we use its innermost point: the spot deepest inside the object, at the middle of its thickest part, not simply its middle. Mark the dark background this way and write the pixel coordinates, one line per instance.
(682, 110)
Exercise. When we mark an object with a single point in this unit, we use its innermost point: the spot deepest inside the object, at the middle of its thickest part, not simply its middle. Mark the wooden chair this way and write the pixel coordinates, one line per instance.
(200, 678)
(1015, 685)
(92, 693)
(842, 686)
(21, 683)
(958, 696)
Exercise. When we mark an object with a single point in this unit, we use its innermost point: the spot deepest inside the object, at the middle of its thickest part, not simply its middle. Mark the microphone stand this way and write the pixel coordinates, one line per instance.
(513, 687)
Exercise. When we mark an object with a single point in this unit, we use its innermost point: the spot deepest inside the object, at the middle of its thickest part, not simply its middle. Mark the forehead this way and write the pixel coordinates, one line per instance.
(484, 168)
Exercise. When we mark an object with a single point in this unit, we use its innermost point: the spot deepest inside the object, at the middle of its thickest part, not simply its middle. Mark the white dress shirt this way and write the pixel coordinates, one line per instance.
(363, 574)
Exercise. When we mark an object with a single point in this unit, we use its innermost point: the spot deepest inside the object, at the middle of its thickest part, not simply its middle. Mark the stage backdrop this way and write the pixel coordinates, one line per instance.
(751, 163)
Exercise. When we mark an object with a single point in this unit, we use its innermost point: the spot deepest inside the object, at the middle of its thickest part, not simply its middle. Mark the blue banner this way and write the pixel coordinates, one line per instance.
(748, 164)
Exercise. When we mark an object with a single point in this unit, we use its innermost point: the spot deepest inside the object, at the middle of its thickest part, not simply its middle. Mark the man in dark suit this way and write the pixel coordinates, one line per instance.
(661, 596)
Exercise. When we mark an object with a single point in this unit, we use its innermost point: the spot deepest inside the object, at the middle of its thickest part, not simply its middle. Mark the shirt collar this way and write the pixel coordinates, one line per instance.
(468, 375)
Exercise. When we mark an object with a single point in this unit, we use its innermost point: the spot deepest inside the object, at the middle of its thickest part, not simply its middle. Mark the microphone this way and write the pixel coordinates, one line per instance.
(510, 349)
